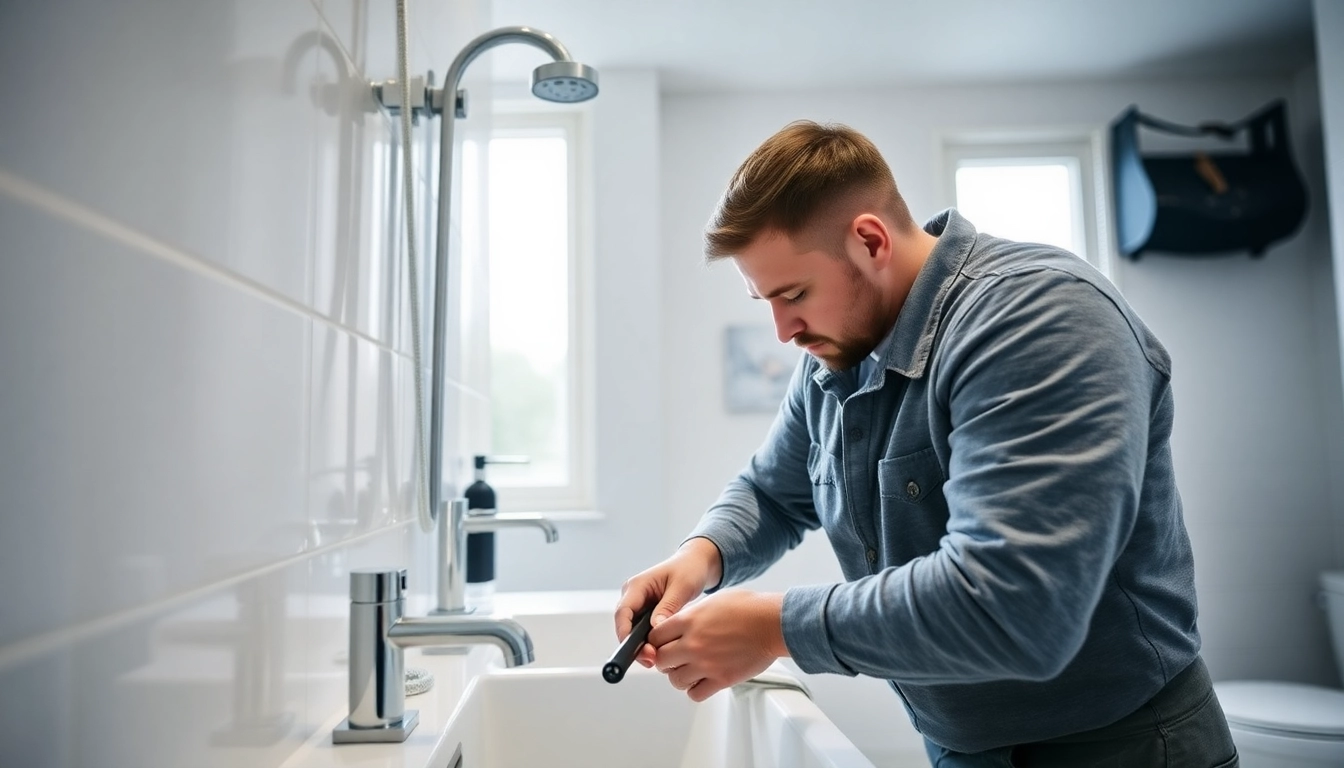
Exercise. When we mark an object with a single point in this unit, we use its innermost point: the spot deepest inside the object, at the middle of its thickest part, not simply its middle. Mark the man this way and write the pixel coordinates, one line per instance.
(982, 428)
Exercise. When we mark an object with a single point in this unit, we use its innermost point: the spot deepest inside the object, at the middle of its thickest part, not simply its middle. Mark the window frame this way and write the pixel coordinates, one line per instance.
(1084, 151)
(578, 494)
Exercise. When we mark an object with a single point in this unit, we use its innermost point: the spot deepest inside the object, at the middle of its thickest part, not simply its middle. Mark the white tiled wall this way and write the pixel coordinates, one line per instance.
(205, 371)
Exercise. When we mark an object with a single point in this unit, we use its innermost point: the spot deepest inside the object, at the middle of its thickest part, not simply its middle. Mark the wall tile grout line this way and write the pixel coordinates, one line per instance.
(45, 643)
(32, 194)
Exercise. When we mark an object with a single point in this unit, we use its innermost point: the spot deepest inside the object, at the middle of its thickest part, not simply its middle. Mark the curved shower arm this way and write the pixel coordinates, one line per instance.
(496, 37)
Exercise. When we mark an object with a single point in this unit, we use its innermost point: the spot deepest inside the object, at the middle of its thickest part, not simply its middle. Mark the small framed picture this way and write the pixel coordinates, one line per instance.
(756, 368)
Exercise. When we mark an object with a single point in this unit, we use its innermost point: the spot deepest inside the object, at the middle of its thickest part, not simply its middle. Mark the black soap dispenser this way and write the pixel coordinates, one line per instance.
(480, 593)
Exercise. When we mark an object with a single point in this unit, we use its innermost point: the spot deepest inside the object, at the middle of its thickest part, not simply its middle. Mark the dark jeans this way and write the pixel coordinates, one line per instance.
(1181, 727)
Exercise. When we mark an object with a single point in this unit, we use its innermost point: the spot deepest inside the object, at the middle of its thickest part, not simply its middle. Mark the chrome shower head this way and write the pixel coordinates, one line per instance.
(564, 81)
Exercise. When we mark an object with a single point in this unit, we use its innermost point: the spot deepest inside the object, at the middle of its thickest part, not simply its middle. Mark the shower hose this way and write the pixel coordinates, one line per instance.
(417, 680)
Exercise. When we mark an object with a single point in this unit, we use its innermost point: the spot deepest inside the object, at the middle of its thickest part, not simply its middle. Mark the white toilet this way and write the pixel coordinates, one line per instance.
(1290, 725)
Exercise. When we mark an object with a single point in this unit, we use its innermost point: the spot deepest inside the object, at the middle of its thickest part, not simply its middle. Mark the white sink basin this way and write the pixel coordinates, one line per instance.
(572, 718)
(559, 712)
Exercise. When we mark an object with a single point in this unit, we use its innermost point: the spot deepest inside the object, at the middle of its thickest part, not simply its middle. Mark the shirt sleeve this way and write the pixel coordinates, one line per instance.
(1046, 392)
(766, 510)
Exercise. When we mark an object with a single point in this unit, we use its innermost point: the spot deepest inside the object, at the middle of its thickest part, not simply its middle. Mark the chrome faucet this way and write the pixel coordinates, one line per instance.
(453, 526)
(379, 634)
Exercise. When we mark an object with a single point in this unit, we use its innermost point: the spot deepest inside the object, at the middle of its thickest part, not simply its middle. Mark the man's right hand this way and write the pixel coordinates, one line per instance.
(671, 584)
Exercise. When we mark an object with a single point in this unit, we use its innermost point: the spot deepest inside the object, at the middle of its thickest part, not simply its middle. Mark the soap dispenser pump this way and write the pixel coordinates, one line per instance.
(480, 591)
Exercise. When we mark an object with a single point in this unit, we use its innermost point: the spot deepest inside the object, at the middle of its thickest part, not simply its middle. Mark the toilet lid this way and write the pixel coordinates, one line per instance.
(1283, 707)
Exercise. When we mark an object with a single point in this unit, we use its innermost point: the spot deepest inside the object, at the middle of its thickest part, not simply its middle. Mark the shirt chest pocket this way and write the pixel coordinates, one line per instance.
(914, 511)
(912, 478)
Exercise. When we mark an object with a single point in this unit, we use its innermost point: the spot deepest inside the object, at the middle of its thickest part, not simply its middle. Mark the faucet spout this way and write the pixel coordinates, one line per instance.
(504, 633)
(503, 520)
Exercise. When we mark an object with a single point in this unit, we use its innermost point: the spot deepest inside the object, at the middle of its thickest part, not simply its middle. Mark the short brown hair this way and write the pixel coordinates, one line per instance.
(805, 170)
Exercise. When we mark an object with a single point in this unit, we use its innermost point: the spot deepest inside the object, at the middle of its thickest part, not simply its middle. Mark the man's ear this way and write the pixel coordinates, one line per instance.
(875, 237)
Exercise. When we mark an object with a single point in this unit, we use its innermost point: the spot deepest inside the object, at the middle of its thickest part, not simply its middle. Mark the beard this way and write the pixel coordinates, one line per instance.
(862, 329)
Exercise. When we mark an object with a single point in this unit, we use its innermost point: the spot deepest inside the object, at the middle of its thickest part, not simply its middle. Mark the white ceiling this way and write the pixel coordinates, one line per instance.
(728, 45)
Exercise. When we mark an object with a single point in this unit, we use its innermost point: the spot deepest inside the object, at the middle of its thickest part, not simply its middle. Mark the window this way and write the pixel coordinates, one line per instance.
(539, 340)
(1043, 191)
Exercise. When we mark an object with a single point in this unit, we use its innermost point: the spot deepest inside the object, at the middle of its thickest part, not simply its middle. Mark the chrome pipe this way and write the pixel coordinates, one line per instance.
(450, 107)
(377, 685)
(451, 570)
(451, 531)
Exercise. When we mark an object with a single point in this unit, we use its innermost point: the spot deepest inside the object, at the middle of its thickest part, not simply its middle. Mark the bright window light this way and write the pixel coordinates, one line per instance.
(1041, 185)
(530, 312)
(1028, 201)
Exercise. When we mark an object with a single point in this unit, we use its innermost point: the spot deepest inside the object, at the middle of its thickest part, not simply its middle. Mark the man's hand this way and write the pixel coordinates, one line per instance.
(719, 641)
(669, 585)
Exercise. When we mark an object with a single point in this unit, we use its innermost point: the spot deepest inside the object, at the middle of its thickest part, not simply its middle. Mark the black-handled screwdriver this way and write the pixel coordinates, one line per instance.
(620, 661)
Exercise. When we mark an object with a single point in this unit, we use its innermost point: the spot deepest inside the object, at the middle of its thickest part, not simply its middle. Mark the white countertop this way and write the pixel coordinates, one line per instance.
(452, 675)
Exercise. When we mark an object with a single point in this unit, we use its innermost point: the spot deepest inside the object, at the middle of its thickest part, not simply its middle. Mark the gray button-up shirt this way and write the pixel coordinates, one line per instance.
(999, 493)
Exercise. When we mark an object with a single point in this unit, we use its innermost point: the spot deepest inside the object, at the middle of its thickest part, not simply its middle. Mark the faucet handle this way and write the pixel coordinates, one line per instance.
(377, 585)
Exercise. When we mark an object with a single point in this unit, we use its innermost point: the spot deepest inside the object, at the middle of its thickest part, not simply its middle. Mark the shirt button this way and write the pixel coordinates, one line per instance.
(872, 555)
(912, 489)
(856, 434)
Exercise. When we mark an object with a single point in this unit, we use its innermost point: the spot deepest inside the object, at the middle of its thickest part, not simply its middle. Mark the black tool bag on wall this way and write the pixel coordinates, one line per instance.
(1206, 202)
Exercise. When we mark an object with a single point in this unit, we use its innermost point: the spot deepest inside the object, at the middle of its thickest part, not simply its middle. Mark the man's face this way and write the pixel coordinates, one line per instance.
(822, 302)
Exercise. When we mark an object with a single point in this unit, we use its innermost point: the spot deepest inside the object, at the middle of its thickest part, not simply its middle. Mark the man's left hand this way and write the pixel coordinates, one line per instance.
(719, 641)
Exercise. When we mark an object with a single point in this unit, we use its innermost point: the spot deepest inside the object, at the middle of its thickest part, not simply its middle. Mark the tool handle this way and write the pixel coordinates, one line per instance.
(620, 661)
